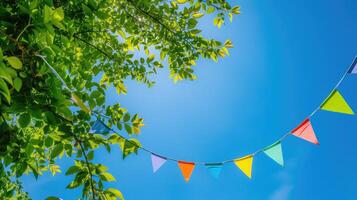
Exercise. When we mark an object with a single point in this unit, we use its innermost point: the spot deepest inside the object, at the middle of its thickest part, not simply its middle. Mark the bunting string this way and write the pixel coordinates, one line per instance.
(334, 102)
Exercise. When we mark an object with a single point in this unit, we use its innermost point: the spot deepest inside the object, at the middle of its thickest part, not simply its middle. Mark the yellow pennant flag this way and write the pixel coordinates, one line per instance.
(336, 103)
(245, 164)
(80, 103)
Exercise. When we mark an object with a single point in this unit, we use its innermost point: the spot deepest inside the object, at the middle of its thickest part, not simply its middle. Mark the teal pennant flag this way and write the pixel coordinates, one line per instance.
(214, 169)
(275, 152)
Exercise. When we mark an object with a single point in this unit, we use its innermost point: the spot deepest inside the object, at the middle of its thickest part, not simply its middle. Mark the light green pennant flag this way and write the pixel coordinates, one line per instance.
(275, 152)
(336, 103)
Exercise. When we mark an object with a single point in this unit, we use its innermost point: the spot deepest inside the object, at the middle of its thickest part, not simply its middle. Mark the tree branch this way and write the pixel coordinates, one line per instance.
(83, 150)
(87, 163)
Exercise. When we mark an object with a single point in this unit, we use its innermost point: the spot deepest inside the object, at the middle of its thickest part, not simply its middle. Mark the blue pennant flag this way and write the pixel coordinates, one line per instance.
(99, 127)
(214, 169)
(353, 68)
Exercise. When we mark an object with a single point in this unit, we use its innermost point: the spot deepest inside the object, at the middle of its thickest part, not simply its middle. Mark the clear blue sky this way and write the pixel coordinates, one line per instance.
(288, 55)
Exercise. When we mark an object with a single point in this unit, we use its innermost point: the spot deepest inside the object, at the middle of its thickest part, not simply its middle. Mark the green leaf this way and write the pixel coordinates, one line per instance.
(57, 150)
(73, 185)
(14, 62)
(236, 10)
(150, 58)
(107, 177)
(20, 169)
(54, 169)
(58, 14)
(4, 73)
(136, 130)
(52, 198)
(50, 117)
(210, 9)
(120, 88)
(228, 44)
(162, 55)
(24, 120)
(116, 193)
(128, 128)
(181, 1)
(129, 146)
(126, 117)
(192, 23)
(17, 84)
(101, 168)
(58, 25)
(90, 155)
(4, 90)
(47, 14)
(48, 142)
(72, 170)
(197, 15)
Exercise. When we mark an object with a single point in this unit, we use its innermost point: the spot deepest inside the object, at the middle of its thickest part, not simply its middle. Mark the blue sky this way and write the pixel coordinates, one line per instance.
(288, 55)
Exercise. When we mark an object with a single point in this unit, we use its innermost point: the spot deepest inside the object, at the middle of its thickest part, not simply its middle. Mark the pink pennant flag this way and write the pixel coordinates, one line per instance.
(305, 131)
(157, 162)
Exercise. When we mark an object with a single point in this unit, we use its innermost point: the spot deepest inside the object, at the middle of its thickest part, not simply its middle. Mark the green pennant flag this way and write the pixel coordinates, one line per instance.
(336, 103)
(275, 152)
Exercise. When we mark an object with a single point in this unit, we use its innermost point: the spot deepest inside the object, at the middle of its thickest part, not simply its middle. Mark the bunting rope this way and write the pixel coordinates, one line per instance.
(333, 103)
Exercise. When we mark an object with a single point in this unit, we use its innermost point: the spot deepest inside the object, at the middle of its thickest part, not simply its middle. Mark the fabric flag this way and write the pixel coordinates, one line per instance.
(79, 103)
(157, 162)
(353, 68)
(336, 103)
(186, 169)
(214, 169)
(245, 164)
(305, 131)
(99, 127)
(275, 152)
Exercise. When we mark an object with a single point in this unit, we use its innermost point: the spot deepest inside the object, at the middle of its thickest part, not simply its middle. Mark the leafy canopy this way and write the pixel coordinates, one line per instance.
(111, 40)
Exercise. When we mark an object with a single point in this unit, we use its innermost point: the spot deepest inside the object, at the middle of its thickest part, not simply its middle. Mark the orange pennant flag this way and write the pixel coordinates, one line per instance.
(186, 169)
(305, 131)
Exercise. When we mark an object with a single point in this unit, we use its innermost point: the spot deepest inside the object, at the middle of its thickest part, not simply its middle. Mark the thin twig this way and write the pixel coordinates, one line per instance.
(28, 25)
(92, 45)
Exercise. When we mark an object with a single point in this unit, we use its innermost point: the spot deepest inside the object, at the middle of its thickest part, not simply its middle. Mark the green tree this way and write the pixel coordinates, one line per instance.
(44, 118)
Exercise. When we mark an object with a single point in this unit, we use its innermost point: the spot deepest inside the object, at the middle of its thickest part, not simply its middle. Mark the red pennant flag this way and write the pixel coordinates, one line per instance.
(186, 169)
(305, 131)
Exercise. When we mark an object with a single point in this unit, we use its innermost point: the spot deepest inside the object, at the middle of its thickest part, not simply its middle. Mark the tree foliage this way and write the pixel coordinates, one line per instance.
(92, 45)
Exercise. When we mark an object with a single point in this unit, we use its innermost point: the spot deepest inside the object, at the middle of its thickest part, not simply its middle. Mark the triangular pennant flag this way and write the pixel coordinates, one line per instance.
(275, 152)
(157, 162)
(305, 131)
(336, 103)
(214, 169)
(186, 169)
(80, 103)
(353, 68)
(99, 127)
(245, 164)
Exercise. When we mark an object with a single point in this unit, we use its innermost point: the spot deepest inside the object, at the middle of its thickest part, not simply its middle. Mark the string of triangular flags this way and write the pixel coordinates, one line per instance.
(335, 102)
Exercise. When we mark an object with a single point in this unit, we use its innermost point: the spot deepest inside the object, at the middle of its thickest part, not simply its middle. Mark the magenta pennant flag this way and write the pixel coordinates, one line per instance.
(157, 162)
(353, 68)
